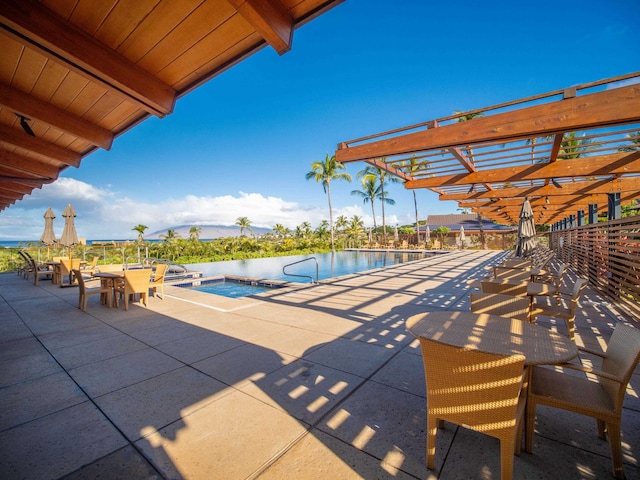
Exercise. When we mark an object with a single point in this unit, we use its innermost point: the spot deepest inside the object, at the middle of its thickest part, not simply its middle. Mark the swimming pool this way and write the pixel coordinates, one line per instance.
(227, 287)
(329, 265)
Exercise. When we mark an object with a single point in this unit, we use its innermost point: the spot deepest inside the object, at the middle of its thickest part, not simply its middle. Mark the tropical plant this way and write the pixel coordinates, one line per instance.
(245, 224)
(441, 233)
(140, 229)
(355, 230)
(170, 236)
(573, 146)
(466, 118)
(634, 146)
(194, 233)
(325, 172)
(383, 177)
(280, 230)
(322, 230)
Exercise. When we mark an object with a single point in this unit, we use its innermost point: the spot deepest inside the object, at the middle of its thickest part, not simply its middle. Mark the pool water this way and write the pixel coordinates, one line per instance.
(228, 288)
(329, 265)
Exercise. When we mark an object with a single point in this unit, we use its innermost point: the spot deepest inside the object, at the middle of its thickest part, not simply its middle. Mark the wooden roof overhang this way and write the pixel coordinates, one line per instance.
(81, 72)
(564, 150)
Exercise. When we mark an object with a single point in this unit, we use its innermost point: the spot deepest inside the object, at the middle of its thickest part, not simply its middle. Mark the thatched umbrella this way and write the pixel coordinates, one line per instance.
(69, 236)
(48, 237)
(527, 241)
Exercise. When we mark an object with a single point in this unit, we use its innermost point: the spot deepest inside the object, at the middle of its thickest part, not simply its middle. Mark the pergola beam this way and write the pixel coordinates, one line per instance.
(612, 164)
(271, 19)
(616, 106)
(592, 187)
(37, 109)
(86, 56)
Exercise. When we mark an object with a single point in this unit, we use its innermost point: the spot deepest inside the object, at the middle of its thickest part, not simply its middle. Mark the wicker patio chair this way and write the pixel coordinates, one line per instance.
(158, 279)
(600, 398)
(515, 289)
(84, 290)
(565, 310)
(136, 282)
(66, 267)
(503, 305)
(478, 390)
(516, 263)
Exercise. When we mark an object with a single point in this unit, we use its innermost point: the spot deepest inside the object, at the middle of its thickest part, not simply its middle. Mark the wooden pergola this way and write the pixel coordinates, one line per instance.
(74, 74)
(569, 151)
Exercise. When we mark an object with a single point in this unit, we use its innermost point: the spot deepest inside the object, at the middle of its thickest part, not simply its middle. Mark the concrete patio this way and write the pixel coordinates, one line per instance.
(319, 382)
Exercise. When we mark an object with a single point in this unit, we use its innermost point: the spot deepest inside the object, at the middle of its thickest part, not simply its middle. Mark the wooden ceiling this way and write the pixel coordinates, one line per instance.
(564, 150)
(77, 73)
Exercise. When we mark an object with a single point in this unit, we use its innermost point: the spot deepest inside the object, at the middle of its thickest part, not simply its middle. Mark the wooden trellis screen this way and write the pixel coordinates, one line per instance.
(608, 254)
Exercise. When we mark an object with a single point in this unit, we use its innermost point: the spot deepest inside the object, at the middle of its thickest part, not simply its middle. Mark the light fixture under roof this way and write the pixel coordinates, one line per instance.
(25, 126)
(472, 188)
(555, 183)
(546, 200)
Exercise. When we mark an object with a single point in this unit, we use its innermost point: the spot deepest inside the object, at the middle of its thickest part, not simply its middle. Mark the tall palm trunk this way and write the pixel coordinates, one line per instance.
(333, 247)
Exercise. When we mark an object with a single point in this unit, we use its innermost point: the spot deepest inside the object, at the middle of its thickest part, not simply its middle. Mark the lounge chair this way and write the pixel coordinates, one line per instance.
(39, 271)
(478, 390)
(600, 398)
(86, 288)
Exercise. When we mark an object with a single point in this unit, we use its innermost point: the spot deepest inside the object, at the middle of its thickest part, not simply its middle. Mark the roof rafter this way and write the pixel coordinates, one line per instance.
(37, 145)
(271, 19)
(34, 108)
(82, 53)
(28, 165)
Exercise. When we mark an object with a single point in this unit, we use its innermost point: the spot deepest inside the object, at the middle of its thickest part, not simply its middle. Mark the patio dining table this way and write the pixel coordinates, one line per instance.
(494, 334)
(109, 280)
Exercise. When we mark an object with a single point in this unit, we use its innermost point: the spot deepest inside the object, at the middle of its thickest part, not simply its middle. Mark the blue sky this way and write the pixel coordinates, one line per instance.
(241, 144)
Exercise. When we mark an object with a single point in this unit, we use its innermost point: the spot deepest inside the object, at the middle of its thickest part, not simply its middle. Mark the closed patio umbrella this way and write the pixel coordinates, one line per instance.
(69, 236)
(427, 235)
(48, 237)
(395, 236)
(527, 241)
(462, 237)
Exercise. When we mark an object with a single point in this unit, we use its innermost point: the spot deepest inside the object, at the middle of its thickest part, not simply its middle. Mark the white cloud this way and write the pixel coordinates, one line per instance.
(103, 214)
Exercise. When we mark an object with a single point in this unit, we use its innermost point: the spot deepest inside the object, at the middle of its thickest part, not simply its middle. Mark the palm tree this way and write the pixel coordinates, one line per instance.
(245, 224)
(634, 146)
(324, 172)
(194, 233)
(341, 226)
(355, 229)
(280, 230)
(370, 191)
(171, 235)
(383, 176)
(306, 229)
(140, 229)
(322, 230)
(573, 146)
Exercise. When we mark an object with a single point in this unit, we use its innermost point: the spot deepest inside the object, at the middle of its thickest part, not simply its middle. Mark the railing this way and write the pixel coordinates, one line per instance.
(302, 276)
(608, 255)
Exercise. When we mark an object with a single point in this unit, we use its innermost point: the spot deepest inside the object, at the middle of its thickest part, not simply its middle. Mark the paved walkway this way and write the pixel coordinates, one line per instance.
(320, 382)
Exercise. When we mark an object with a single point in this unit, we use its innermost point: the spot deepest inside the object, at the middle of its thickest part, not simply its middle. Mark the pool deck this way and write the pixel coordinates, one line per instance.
(308, 383)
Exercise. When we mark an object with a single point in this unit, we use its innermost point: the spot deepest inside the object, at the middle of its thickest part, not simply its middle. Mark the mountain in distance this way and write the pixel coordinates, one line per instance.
(208, 232)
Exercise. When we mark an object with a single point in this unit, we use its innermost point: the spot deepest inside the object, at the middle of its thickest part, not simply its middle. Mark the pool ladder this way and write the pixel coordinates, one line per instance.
(302, 276)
